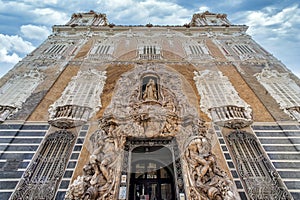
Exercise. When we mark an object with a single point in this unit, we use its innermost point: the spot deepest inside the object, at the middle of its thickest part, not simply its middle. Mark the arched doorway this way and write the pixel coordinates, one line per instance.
(151, 174)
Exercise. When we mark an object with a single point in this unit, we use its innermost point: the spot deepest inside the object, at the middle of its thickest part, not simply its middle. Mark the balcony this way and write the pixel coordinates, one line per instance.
(69, 116)
(231, 116)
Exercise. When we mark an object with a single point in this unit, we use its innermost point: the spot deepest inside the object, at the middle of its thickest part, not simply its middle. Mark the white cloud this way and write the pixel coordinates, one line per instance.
(5, 57)
(44, 1)
(35, 32)
(50, 16)
(15, 43)
(203, 9)
(153, 11)
(11, 47)
(278, 23)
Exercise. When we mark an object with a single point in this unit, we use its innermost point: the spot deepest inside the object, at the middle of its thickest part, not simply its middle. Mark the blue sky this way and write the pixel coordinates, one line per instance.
(274, 24)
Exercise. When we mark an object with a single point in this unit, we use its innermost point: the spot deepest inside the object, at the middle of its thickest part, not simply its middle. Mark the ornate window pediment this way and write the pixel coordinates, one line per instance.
(221, 101)
(80, 99)
(15, 92)
(283, 89)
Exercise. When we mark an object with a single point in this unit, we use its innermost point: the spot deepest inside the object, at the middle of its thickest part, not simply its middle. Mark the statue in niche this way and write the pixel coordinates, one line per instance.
(206, 179)
(150, 92)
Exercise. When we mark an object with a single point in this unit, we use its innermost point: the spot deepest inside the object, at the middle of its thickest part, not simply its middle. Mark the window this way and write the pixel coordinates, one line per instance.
(260, 179)
(101, 51)
(150, 52)
(15, 92)
(220, 100)
(79, 100)
(283, 89)
(196, 50)
(42, 177)
(56, 49)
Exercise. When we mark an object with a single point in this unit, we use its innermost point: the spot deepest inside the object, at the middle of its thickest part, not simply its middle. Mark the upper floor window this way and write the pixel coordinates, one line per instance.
(150, 52)
(84, 90)
(15, 92)
(283, 89)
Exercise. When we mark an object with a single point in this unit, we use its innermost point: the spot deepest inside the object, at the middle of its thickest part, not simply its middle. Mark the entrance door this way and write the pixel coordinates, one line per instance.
(151, 174)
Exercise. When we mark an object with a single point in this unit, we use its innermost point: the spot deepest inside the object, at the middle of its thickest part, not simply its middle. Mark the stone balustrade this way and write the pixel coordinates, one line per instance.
(231, 116)
(69, 116)
(150, 56)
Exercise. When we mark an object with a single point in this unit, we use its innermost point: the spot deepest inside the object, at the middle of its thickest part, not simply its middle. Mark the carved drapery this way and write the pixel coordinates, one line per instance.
(221, 101)
(42, 177)
(135, 118)
(79, 100)
(283, 89)
(261, 180)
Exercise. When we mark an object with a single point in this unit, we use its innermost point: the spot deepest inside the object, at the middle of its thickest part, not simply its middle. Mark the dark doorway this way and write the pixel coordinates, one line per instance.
(152, 174)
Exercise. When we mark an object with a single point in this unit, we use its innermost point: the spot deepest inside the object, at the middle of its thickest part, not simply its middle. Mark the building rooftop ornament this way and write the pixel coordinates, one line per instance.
(90, 18)
(209, 19)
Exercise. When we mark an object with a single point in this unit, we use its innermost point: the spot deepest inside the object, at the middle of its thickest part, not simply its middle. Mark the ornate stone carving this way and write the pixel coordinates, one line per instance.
(283, 89)
(207, 18)
(42, 177)
(220, 100)
(88, 19)
(15, 92)
(138, 116)
(205, 179)
(80, 99)
(99, 179)
(261, 181)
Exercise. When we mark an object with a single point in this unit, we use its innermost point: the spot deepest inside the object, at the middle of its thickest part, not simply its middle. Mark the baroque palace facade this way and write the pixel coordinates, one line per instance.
(104, 111)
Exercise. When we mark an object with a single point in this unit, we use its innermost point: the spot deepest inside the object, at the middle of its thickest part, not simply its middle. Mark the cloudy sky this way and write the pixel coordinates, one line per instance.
(274, 24)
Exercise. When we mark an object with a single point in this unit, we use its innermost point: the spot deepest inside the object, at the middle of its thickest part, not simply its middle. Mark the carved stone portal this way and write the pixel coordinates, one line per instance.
(138, 117)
